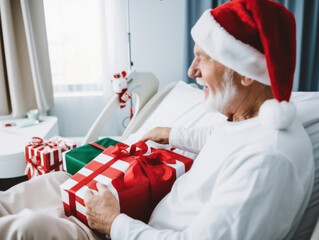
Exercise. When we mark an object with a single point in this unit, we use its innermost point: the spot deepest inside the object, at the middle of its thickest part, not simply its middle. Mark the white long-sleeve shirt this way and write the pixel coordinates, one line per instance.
(248, 182)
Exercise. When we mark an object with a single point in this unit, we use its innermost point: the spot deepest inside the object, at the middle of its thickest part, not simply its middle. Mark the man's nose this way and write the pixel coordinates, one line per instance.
(193, 72)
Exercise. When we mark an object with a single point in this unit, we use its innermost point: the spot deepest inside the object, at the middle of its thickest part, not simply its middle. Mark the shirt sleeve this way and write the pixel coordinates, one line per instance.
(189, 139)
(255, 199)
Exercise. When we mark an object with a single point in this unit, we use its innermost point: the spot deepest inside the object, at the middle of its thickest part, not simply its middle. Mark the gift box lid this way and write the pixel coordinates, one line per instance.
(77, 158)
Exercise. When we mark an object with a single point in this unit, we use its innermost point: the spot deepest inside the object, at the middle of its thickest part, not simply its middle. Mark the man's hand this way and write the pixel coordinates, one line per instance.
(101, 210)
(158, 134)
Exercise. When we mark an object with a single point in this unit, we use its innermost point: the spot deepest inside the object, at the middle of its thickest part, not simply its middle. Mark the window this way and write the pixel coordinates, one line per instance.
(76, 32)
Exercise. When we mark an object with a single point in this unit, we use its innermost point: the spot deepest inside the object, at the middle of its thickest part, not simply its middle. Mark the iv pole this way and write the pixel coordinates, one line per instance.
(130, 63)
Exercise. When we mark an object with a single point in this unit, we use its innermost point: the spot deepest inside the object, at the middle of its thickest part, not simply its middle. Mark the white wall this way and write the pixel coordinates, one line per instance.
(157, 31)
(76, 114)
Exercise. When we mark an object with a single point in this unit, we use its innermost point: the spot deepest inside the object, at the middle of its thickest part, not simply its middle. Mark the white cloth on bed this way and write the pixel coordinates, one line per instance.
(248, 182)
(34, 210)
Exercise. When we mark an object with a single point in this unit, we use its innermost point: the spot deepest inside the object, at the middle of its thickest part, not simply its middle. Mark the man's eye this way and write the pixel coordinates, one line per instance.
(203, 59)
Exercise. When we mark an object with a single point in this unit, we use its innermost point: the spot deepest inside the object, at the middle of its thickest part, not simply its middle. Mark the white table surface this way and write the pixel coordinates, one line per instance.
(14, 139)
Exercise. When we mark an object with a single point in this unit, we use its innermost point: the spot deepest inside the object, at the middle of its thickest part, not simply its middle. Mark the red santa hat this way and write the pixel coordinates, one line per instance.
(257, 39)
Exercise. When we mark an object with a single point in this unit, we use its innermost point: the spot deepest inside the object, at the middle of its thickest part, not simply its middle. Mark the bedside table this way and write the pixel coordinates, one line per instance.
(13, 141)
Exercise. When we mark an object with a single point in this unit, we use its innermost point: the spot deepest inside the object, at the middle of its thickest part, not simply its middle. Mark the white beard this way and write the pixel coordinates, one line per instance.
(216, 102)
(200, 81)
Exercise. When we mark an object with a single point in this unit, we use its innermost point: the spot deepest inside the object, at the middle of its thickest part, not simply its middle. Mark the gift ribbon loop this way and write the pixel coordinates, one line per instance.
(54, 142)
(33, 167)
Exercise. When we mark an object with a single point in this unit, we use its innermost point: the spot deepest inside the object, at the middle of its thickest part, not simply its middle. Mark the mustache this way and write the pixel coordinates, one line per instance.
(200, 81)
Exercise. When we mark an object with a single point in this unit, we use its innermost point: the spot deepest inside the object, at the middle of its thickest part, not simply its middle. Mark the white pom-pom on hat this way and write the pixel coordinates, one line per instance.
(277, 115)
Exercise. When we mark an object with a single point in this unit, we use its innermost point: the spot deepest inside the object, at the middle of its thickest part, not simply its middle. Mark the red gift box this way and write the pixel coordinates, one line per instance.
(45, 156)
(137, 180)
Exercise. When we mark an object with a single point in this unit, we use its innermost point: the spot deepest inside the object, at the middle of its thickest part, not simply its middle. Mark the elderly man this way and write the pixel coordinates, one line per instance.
(253, 175)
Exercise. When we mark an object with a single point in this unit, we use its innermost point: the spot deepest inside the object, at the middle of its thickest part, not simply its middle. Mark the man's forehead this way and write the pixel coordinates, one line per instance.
(199, 51)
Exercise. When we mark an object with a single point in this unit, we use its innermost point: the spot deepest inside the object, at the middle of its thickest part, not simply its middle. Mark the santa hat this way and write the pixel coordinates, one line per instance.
(257, 39)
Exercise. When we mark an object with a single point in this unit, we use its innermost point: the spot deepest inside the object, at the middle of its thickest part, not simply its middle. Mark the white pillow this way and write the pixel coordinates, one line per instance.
(307, 106)
(307, 111)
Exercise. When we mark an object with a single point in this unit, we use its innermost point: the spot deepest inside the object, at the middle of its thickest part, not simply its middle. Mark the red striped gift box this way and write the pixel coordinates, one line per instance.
(139, 178)
(43, 156)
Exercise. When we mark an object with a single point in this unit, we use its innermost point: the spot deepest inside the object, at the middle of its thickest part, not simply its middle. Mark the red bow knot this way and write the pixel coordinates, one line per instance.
(54, 142)
(33, 167)
(149, 165)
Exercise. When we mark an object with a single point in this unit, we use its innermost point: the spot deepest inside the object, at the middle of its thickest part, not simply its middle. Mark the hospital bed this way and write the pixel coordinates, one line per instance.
(180, 104)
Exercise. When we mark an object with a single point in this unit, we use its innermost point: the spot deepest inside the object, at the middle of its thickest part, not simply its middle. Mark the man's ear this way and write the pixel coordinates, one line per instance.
(246, 81)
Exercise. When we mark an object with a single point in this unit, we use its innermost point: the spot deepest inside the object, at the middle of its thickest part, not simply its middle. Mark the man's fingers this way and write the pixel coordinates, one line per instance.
(158, 135)
(151, 135)
(101, 188)
(88, 195)
(146, 137)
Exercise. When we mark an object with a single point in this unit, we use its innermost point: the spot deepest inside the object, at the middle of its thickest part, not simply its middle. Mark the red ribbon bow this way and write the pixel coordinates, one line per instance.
(54, 142)
(33, 167)
(151, 164)
(148, 163)
(143, 165)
